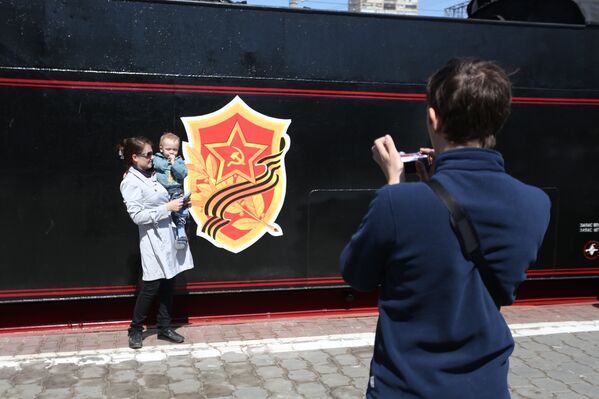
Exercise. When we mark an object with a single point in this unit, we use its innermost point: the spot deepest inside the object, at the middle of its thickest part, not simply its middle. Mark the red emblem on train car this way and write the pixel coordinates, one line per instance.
(235, 157)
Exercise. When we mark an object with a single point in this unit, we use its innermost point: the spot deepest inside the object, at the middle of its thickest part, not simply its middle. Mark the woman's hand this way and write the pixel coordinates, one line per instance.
(422, 171)
(175, 205)
(387, 157)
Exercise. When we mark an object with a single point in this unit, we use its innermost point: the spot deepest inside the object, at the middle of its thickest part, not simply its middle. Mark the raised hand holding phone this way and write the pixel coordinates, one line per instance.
(426, 170)
(388, 158)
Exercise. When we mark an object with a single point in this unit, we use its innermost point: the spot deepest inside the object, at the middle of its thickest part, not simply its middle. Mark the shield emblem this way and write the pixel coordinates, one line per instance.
(235, 158)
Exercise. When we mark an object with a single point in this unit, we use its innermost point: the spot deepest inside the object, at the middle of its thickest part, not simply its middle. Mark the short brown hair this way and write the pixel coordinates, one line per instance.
(169, 136)
(472, 99)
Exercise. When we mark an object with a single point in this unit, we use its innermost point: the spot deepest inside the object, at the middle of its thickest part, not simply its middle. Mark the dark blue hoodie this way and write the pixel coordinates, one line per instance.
(439, 334)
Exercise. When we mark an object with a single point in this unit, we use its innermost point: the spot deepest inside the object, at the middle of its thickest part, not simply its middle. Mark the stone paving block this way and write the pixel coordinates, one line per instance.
(527, 372)
(256, 349)
(294, 364)
(204, 353)
(92, 372)
(214, 390)
(555, 357)
(24, 391)
(67, 368)
(354, 371)
(311, 389)
(555, 340)
(214, 376)
(592, 362)
(577, 368)
(279, 385)
(89, 388)
(362, 352)
(326, 368)
(31, 373)
(301, 376)
(29, 349)
(146, 393)
(361, 382)
(195, 395)
(262, 360)
(336, 351)
(284, 355)
(58, 381)
(347, 393)
(245, 380)
(346, 360)
(211, 363)
(152, 368)
(590, 378)
(238, 368)
(154, 381)
(187, 386)
(232, 357)
(5, 385)
(122, 376)
(569, 395)
(585, 389)
(180, 361)
(122, 390)
(530, 393)
(7, 373)
(575, 341)
(251, 393)
(284, 396)
(563, 375)
(515, 380)
(315, 357)
(126, 365)
(523, 354)
(587, 346)
(90, 396)
(181, 373)
(242, 375)
(534, 347)
(270, 372)
(334, 380)
(58, 393)
(549, 385)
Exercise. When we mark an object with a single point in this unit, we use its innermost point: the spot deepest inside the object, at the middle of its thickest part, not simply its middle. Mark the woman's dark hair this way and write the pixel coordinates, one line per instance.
(130, 146)
(472, 99)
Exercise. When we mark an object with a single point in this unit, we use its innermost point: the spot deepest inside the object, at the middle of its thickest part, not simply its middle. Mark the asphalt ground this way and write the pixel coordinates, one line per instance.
(556, 356)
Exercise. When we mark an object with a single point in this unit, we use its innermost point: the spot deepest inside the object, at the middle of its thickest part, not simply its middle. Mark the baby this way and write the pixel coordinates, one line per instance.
(171, 172)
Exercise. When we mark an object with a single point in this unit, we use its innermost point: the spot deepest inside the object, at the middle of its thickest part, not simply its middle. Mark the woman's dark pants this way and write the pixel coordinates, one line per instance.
(149, 289)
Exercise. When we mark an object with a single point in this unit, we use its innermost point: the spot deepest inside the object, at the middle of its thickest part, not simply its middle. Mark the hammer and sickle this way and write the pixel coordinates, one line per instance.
(237, 158)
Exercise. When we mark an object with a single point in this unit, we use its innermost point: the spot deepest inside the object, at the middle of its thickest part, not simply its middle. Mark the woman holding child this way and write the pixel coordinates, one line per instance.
(149, 207)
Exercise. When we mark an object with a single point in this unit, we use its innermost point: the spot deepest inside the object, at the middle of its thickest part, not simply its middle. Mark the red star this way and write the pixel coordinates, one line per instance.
(236, 156)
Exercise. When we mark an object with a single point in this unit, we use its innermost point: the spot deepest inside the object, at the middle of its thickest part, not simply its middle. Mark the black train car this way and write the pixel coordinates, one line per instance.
(78, 76)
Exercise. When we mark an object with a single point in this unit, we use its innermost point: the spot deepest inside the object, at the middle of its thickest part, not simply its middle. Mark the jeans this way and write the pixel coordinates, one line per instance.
(179, 217)
(149, 289)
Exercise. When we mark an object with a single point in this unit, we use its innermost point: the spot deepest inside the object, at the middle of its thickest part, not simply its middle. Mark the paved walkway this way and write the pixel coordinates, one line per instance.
(557, 356)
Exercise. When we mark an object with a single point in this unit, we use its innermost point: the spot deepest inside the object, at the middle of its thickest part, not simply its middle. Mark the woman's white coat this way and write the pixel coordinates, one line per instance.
(146, 200)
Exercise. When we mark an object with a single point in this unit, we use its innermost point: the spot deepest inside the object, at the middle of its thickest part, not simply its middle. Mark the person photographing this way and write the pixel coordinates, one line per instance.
(440, 333)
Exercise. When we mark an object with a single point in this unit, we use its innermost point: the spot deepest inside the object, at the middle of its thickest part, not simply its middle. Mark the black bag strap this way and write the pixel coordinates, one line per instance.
(460, 220)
